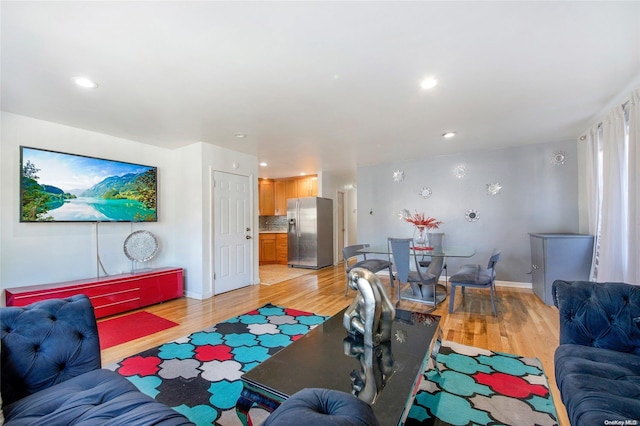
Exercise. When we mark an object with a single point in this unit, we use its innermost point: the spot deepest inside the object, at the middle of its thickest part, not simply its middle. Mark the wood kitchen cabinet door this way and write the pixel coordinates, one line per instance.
(267, 249)
(291, 186)
(308, 186)
(281, 249)
(266, 197)
(280, 198)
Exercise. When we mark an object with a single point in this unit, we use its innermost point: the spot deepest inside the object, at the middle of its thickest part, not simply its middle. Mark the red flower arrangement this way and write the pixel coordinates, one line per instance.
(419, 219)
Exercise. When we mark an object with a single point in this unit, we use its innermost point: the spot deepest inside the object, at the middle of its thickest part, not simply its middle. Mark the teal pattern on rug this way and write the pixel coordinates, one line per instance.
(473, 386)
(199, 375)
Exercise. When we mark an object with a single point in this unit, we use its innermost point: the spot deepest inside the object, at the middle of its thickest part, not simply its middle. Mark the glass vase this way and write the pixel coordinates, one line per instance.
(420, 236)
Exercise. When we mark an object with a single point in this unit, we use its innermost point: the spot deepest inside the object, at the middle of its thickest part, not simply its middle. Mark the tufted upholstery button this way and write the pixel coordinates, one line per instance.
(53, 318)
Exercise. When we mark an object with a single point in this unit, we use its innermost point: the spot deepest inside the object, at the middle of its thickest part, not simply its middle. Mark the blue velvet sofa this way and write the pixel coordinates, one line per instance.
(597, 364)
(51, 371)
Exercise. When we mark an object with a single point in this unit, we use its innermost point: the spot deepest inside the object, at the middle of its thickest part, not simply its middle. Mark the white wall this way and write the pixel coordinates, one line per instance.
(38, 253)
(537, 196)
(328, 186)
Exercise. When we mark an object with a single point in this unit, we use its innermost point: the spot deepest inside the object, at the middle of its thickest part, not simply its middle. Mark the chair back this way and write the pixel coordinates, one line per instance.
(435, 239)
(352, 251)
(494, 259)
(399, 256)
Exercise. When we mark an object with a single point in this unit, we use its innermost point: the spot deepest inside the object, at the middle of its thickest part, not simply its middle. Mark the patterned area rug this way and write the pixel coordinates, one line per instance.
(473, 386)
(199, 375)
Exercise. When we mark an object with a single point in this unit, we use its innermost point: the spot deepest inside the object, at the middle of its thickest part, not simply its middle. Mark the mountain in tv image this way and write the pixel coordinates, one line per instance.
(128, 197)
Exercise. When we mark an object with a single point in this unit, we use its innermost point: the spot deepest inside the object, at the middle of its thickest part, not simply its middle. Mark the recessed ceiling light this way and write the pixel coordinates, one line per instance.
(429, 83)
(448, 135)
(263, 164)
(85, 82)
(240, 135)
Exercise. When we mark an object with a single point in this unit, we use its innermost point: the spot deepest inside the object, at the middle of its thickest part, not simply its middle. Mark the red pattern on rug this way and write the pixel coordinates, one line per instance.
(129, 327)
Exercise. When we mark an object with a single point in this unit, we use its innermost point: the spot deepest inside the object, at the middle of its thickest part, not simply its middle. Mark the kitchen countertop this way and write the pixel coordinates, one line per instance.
(276, 231)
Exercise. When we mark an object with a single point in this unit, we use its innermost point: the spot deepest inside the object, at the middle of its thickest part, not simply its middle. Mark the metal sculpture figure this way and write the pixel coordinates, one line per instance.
(371, 313)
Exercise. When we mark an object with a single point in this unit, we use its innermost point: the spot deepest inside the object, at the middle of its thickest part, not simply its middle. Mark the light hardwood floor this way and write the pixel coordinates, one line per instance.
(524, 325)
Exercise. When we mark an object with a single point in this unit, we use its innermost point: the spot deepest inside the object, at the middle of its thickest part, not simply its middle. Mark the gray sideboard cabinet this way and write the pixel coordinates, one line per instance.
(558, 257)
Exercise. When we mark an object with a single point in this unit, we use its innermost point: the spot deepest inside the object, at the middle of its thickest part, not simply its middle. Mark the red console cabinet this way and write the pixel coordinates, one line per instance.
(109, 295)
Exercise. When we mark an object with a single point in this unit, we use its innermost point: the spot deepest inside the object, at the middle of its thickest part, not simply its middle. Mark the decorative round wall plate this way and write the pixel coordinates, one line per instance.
(559, 158)
(472, 215)
(425, 192)
(140, 246)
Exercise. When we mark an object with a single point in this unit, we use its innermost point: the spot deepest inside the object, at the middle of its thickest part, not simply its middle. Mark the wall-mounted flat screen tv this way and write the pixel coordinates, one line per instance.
(61, 187)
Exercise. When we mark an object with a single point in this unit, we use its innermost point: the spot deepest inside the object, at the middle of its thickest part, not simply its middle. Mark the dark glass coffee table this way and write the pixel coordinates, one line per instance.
(327, 357)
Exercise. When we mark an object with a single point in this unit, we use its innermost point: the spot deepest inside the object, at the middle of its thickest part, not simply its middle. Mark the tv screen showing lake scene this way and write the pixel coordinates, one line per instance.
(60, 187)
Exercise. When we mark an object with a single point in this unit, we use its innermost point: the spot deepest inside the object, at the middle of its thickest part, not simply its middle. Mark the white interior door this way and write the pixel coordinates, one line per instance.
(232, 231)
(341, 227)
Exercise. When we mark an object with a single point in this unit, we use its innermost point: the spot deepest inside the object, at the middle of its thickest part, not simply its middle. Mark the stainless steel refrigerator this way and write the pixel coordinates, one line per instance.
(310, 232)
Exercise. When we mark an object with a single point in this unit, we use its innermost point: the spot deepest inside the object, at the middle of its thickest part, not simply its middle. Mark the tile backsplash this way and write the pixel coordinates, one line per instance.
(273, 223)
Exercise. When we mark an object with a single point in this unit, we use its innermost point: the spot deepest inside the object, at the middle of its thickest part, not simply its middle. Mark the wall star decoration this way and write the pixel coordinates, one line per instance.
(425, 192)
(494, 188)
(398, 176)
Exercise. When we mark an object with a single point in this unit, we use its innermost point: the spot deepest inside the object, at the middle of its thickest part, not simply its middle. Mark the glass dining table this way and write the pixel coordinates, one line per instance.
(437, 256)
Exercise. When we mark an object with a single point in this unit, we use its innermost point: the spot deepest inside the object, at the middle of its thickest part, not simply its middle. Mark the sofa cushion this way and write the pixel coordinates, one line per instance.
(46, 343)
(598, 384)
(603, 315)
(99, 397)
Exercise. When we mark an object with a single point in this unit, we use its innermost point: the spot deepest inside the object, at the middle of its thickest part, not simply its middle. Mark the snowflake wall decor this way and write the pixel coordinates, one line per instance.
(494, 188)
(460, 171)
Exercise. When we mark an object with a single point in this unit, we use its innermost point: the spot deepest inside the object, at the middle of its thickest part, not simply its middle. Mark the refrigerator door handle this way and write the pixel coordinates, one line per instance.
(298, 233)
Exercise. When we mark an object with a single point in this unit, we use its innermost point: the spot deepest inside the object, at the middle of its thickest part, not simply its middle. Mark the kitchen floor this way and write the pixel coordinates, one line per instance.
(274, 274)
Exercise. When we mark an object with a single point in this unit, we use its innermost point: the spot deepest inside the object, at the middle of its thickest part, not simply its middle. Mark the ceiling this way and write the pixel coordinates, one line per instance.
(321, 85)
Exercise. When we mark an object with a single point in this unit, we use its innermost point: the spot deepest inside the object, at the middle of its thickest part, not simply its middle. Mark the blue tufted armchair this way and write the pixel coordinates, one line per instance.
(597, 364)
(51, 371)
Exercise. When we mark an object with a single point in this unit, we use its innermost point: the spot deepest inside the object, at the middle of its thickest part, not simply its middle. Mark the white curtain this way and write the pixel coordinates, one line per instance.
(594, 191)
(612, 254)
(633, 271)
(613, 193)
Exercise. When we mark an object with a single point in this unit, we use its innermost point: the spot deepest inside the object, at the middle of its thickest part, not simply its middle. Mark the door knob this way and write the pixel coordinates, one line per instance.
(248, 237)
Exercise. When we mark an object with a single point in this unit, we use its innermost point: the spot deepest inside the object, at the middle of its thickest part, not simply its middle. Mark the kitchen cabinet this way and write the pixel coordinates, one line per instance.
(308, 186)
(280, 187)
(273, 248)
(266, 197)
(267, 249)
(281, 249)
(274, 193)
(291, 187)
(558, 257)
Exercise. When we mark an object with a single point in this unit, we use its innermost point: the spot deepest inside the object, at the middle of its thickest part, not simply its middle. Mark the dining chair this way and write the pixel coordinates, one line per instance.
(435, 240)
(351, 254)
(478, 277)
(422, 282)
